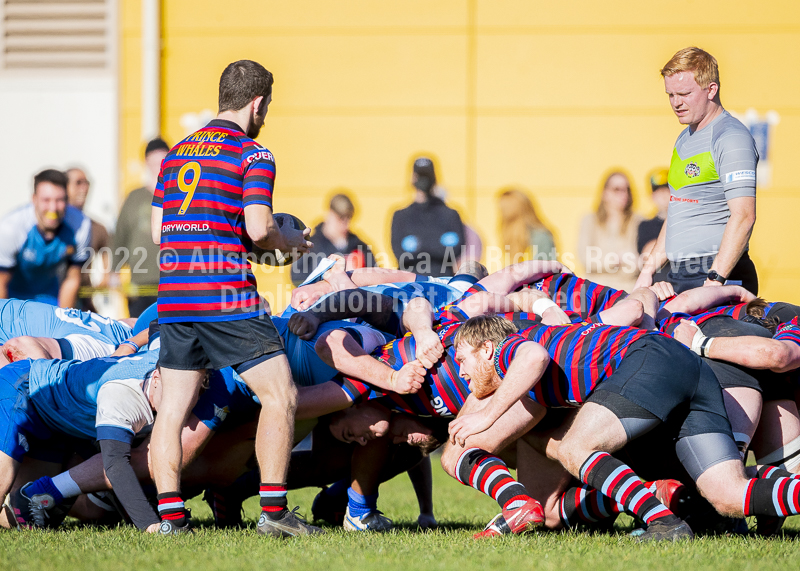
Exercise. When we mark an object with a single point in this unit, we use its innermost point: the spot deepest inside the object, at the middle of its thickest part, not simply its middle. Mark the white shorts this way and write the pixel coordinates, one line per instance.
(85, 347)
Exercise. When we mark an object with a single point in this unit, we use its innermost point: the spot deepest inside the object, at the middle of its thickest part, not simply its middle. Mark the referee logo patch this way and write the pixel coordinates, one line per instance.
(740, 175)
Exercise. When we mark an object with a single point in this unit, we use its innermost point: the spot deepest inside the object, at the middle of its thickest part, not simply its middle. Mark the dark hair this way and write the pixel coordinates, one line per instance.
(157, 144)
(52, 176)
(241, 82)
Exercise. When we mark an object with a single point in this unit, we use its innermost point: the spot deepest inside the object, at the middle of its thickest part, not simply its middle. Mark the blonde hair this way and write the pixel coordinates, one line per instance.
(517, 219)
(602, 213)
(701, 63)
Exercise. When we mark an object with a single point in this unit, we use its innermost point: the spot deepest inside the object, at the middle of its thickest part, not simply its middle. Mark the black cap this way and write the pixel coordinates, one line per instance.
(426, 176)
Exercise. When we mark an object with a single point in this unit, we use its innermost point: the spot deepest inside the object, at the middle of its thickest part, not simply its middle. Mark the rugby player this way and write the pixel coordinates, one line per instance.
(212, 204)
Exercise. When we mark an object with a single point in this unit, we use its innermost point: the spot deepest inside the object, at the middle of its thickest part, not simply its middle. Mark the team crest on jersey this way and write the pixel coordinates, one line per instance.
(221, 413)
(692, 170)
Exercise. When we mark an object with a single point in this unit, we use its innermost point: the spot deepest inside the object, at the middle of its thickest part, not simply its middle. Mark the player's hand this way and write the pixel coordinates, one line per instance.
(555, 316)
(305, 296)
(663, 290)
(409, 379)
(429, 348)
(685, 332)
(152, 528)
(465, 426)
(304, 325)
(297, 240)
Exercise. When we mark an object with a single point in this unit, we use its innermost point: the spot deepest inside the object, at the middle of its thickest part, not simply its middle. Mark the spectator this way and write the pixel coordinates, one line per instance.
(607, 241)
(427, 236)
(333, 236)
(133, 242)
(521, 230)
(650, 229)
(77, 191)
(44, 245)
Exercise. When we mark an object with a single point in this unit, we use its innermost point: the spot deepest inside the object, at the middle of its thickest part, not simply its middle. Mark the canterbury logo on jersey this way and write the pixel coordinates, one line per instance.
(260, 155)
(185, 228)
(441, 409)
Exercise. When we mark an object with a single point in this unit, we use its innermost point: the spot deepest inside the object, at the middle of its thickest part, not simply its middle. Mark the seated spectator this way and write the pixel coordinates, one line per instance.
(333, 236)
(607, 241)
(77, 192)
(521, 230)
(133, 241)
(427, 236)
(650, 229)
(43, 245)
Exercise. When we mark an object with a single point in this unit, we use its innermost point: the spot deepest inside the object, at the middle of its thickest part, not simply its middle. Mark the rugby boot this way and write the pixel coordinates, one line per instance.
(329, 508)
(526, 517)
(226, 508)
(769, 526)
(372, 521)
(659, 531)
(30, 510)
(495, 528)
(169, 527)
(289, 525)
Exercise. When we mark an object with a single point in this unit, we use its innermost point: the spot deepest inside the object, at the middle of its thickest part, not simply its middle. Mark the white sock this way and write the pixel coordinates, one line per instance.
(66, 485)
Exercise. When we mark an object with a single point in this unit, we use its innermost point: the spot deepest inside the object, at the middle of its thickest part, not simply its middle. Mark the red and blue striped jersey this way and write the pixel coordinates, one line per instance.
(582, 356)
(206, 182)
(668, 324)
(789, 331)
(579, 295)
(443, 393)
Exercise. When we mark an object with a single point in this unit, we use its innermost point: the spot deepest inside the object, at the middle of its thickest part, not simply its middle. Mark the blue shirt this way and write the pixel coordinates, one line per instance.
(35, 319)
(38, 266)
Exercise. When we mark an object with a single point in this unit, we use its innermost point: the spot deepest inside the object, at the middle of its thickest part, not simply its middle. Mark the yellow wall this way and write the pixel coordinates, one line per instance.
(541, 94)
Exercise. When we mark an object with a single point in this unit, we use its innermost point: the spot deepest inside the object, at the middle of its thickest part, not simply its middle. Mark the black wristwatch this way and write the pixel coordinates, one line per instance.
(715, 277)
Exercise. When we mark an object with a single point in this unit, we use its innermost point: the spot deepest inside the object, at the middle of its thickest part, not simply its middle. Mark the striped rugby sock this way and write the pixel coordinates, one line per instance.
(771, 472)
(488, 474)
(616, 480)
(170, 507)
(273, 500)
(583, 504)
(772, 496)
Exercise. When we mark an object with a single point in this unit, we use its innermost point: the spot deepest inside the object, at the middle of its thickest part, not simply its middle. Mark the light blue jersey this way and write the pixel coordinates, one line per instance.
(18, 318)
(306, 366)
(66, 394)
(37, 266)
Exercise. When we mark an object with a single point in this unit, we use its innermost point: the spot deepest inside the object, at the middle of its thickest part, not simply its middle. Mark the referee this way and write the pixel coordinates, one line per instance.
(212, 203)
(712, 181)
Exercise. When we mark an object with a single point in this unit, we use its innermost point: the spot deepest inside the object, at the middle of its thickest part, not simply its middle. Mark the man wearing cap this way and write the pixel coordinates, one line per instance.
(712, 181)
(427, 236)
(333, 236)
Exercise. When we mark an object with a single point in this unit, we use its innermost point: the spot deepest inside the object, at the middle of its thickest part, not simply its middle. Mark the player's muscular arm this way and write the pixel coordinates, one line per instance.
(737, 234)
(68, 292)
(319, 400)
(140, 339)
(5, 277)
(156, 214)
(339, 350)
(701, 299)
(418, 319)
(526, 369)
(757, 353)
(375, 276)
(656, 258)
(486, 302)
(512, 277)
(267, 235)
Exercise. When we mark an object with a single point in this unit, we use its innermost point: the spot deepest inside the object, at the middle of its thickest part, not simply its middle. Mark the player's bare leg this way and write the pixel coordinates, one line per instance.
(546, 480)
(367, 464)
(777, 440)
(743, 406)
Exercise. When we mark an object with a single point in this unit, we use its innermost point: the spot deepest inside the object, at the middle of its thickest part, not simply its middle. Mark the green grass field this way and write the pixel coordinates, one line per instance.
(460, 510)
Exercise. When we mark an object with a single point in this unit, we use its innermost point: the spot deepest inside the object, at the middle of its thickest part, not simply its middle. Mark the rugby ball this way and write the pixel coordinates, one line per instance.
(276, 257)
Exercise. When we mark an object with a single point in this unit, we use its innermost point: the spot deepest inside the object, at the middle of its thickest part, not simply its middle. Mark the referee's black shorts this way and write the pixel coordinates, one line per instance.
(240, 344)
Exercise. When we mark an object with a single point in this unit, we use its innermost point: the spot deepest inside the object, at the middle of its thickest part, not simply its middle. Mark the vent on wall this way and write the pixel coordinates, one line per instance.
(55, 34)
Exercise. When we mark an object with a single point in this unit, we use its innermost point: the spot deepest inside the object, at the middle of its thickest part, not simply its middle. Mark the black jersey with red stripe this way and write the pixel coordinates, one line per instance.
(206, 182)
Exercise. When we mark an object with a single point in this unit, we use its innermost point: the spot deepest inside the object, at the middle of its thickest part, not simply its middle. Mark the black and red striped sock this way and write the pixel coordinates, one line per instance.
(273, 500)
(616, 480)
(171, 507)
(771, 472)
(489, 474)
(772, 496)
(583, 504)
